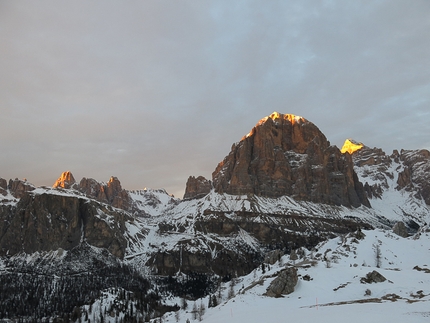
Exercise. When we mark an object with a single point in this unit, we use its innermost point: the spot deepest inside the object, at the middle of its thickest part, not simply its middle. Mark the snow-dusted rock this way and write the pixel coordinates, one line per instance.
(284, 283)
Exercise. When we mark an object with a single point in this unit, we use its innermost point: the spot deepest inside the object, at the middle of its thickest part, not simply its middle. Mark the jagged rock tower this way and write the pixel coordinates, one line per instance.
(287, 155)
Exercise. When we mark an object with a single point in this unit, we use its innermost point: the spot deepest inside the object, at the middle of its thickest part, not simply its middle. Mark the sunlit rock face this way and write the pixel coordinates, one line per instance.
(286, 154)
(350, 146)
(66, 180)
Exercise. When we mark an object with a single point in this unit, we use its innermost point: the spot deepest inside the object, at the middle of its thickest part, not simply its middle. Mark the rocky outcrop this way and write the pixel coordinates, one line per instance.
(19, 187)
(91, 188)
(416, 174)
(400, 229)
(66, 180)
(260, 237)
(116, 195)
(227, 263)
(48, 222)
(288, 155)
(283, 284)
(273, 256)
(410, 169)
(3, 186)
(110, 193)
(373, 277)
(197, 187)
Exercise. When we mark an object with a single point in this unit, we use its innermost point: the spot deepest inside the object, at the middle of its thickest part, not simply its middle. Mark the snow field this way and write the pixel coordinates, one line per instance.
(335, 293)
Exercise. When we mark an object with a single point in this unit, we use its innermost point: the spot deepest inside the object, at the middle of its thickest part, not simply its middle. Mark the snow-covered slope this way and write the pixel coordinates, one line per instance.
(331, 289)
(397, 184)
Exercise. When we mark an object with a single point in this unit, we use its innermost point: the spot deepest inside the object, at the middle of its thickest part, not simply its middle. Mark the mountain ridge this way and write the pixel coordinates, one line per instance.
(220, 231)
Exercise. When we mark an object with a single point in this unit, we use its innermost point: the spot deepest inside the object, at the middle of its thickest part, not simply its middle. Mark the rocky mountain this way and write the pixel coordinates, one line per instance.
(287, 155)
(282, 190)
(397, 184)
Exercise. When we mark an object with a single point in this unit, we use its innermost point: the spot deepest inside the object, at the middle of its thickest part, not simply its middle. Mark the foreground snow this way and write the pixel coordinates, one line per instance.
(334, 292)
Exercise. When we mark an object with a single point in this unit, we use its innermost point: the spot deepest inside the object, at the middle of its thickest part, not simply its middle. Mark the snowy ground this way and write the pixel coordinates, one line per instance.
(335, 293)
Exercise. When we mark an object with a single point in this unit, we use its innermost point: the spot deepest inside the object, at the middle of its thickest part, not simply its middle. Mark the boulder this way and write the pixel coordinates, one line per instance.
(373, 277)
(283, 284)
(400, 229)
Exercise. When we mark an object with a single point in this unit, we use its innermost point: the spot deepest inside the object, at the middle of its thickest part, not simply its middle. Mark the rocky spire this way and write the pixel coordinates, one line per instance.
(66, 180)
(285, 154)
(197, 187)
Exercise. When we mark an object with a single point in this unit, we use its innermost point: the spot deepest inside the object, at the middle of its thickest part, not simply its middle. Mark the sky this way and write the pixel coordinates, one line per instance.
(155, 91)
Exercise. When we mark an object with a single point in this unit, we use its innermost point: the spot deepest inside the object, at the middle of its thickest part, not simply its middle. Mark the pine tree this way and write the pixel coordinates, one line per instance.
(231, 289)
(201, 311)
(214, 301)
(184, 304)
(194, 311)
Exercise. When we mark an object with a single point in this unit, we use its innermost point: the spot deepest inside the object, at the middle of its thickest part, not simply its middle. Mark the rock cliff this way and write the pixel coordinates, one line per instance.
(45, 222)
(408, 170)
(19, 187)
(111, 192)
(197, 187)
(287, 155)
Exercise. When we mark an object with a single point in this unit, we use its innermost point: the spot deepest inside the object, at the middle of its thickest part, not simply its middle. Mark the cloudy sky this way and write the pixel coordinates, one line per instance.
(155, 91)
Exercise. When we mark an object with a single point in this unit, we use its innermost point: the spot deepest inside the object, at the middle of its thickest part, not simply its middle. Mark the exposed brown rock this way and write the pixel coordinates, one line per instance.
(373, 277)
(405, 178)
(3, 186)
(416, 175)
(66, 180)
(400, 229)
(111, 193)
(116, 195)
(92, 188)
(288, 155)
(197, 187)
(18, 187)
(47, 222)
(273, 256)
(411, 167)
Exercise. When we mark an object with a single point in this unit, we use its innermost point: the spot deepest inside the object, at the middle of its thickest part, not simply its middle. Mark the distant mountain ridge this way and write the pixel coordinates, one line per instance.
(283, 187)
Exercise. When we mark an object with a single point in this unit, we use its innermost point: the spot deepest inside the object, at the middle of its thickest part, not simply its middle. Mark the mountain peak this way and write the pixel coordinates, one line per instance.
(287, 155)
(292, 118)
(66, 180)
(351, 146)
(277, 118)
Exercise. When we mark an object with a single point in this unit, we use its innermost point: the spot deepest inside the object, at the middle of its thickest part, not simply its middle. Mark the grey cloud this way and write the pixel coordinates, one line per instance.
(155, 91)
